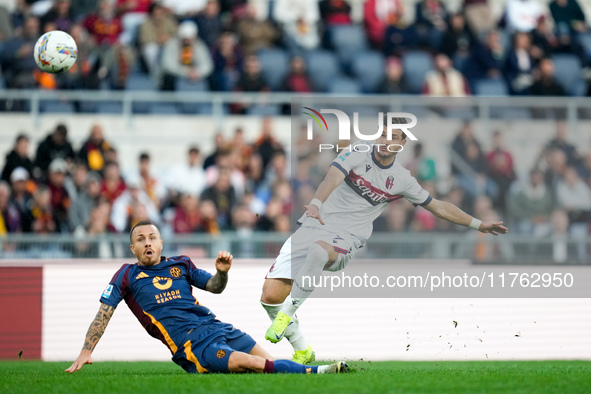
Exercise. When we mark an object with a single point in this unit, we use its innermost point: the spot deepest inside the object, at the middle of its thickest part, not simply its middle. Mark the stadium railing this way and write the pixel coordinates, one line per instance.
(514, 249)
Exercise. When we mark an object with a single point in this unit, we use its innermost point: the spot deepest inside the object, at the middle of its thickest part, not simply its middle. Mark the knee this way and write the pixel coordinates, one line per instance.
(270, 297)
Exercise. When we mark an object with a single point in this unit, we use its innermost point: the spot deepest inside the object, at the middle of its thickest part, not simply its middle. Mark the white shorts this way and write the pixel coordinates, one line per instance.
(295, 250)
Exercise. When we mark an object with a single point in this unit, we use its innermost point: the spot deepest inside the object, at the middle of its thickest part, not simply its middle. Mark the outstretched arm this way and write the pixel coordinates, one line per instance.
(94, 333)
(451, 213)
(333, 178)
(217, 283)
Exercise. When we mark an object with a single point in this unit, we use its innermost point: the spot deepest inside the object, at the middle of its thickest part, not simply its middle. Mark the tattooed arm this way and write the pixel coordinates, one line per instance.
(94, 333)
(218, 282)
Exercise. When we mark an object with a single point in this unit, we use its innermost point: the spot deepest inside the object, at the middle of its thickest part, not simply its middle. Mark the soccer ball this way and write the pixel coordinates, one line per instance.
(55, 52)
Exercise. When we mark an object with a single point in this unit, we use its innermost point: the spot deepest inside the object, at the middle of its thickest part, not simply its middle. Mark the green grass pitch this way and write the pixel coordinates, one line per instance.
(367, 377)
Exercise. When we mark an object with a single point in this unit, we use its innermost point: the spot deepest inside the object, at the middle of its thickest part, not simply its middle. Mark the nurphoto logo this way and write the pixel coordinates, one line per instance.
(394, 121)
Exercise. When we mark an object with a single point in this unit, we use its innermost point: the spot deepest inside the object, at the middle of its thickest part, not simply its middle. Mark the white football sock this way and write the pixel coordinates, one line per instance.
(315, 261)
(292, 333)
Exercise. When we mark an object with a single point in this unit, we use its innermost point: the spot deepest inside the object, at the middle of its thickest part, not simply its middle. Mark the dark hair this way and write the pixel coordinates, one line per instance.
(142, 223)
(20, 137)
(396, 121)
(194, 149)
(144, 156)
(61, 129)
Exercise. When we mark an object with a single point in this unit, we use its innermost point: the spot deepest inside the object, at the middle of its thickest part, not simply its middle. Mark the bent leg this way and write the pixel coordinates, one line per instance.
(275, 290)
(241, 362)
(257, 350)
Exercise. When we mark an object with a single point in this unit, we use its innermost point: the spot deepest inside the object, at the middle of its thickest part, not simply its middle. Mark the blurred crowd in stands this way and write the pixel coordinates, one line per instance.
(304, 46)
(240, 186)
(247, 186)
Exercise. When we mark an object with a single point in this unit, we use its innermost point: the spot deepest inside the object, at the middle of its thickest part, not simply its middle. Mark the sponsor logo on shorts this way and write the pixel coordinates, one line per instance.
(175, 272)
(221, 353)
(107, 291)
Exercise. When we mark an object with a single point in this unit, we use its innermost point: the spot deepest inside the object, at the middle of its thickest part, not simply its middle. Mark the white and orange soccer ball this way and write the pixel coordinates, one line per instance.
(55, 52)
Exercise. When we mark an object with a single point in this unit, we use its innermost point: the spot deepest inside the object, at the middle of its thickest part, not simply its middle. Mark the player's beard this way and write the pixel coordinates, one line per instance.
(149, 261)
(385, 154)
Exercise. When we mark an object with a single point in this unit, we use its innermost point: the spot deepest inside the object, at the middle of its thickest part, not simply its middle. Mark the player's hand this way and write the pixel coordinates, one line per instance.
(83, 358)
(312, 211)
(224, 261)
(494, 228)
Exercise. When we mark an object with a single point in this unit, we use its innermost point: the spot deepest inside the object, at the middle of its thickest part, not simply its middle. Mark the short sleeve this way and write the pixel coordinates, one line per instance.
(415, 194)
(117, 287)
(198, 277)
(347, 161)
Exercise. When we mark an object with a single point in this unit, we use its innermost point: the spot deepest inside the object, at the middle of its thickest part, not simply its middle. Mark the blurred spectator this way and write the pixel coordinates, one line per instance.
(486, 60)
(445, 80)
(421, 167)
(185, 57)
(43, 220)
(209, 217)
(153, 185)
(299, 21)
(227, 59)
(574, 196)
(559, 222)
(273, 209)
(104, 28)
(478, 16)
(569, 19)
(480, 183)
(278, 168)
(544, 42)
(154, 33)
(519, 64)
(266, 145)
(254, 34)
(21, 198)
(98, 225)
(378, 15)
(457, 41)
(545, 83)
(394, 220)
(394, 82)
(399, 38)
(88, 71)
(9, 214)
(88, 199)
(461, 142)
(103, 25)
(530, 207)
(500, 169)
(252, 79)
(209, 23)
(60, 200)
(60, 15)
(81, 8)
(186, 215)
(75, 183)
(184, 9)
(243, 220)
(16, 57)
(335, 12)
(241, 150)
(227, 160)
(222, 194)
(297, 79)
(133, 13)
(555, 162)
(522, 15)
(113, 185)
(18, 157)
(559, 142)
(55, 145)
(187, 177)
(431, 20)
(94, 149)
(132, 206)
(219, 144)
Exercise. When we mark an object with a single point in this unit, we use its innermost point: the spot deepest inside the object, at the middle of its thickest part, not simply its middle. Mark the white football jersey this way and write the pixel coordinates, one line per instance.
(364, 194)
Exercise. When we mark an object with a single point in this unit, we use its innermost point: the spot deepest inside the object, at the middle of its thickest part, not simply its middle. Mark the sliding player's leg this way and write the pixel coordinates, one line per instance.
(242, 362)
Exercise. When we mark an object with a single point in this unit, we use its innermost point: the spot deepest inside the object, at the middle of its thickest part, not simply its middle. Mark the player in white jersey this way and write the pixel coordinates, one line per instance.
(337, 222)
